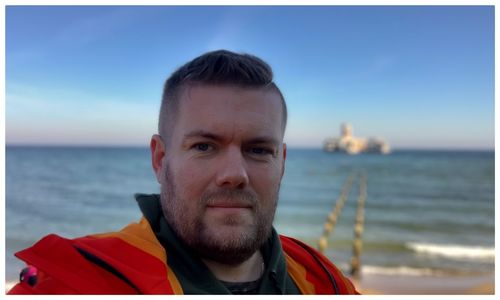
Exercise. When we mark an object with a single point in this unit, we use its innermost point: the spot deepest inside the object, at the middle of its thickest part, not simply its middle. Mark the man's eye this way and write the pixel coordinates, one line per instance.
(260, 151)
(203, 147)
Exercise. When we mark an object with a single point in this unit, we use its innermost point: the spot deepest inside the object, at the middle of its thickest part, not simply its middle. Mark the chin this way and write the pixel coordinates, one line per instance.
(228, 251)
(232, 235)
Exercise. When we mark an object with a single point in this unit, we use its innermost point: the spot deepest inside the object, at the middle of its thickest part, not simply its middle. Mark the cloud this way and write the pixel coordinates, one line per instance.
(377, 66)
(228, 31)
(87, 30)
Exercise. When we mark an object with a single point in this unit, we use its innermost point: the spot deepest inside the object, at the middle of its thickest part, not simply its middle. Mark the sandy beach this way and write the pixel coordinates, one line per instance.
(426, 285)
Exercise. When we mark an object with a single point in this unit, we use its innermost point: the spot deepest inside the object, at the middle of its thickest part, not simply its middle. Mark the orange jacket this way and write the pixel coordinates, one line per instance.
(132, 261)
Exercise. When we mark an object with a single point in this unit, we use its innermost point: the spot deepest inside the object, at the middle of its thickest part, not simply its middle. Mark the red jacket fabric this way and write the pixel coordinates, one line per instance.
(132, 261)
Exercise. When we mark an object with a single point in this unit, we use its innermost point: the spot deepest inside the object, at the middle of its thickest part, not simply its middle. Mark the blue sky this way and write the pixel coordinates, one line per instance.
(420, 77)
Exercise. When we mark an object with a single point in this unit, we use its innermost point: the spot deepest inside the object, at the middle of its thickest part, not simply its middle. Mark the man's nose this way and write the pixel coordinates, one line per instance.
(232, 172)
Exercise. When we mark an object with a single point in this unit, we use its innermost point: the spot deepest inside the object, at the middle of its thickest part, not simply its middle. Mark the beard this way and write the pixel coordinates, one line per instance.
(187, 219)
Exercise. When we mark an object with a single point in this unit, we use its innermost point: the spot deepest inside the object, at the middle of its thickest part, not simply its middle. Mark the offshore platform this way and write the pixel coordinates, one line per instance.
(350, 144)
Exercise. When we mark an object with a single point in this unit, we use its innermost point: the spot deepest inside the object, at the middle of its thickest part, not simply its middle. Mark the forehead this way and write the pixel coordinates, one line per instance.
(229, 110)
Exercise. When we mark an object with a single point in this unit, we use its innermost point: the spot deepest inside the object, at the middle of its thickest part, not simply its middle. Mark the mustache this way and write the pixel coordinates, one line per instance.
(229, 196)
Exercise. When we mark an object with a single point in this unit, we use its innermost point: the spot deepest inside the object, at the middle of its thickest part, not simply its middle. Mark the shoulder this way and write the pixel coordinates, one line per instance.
(128, 261)
(318, 272)
(56, 266)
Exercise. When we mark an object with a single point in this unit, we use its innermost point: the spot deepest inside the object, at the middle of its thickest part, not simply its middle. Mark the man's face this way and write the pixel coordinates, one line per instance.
(222, 170)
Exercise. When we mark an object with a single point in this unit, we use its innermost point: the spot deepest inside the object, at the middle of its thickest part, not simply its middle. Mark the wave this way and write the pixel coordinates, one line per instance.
(458, 252)
(402, 271)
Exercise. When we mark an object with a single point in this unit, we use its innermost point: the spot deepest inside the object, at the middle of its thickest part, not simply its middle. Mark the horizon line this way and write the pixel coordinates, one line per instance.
(403, 148)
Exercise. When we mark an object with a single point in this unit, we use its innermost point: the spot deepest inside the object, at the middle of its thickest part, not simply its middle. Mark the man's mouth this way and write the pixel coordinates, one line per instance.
(229, 205)
(230, 202)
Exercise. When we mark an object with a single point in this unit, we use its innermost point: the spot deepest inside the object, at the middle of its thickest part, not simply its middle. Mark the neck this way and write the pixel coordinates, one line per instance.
(249, 270)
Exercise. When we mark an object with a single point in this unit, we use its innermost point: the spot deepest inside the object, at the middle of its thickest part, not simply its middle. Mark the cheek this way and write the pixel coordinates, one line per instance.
(191, 181)
(265, 180)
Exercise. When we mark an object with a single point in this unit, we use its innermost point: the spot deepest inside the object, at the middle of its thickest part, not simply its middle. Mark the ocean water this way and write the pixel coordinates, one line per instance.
(426, 212)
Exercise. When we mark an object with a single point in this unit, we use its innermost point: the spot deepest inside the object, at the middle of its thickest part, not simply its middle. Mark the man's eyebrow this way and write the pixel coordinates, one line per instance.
(263, 140)
(204, 134)
(216, 137)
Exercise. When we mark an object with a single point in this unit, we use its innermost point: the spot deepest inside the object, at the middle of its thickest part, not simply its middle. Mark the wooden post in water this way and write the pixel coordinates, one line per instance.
(358, 229)
(334, 215)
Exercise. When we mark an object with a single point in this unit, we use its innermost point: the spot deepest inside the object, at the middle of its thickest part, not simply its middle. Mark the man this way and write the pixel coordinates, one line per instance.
(219, 158)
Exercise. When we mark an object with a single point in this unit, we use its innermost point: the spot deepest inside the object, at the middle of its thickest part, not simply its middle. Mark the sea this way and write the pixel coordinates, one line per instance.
(426, 213)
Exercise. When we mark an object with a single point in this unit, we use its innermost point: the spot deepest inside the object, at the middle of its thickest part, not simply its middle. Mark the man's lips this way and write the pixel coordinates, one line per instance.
(229, 205)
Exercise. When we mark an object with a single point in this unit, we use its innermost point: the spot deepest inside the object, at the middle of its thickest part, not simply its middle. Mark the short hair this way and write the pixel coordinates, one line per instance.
(219, 67)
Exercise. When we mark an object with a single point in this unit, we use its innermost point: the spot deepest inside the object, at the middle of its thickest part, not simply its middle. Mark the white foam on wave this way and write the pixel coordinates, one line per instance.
(458, 252)
(401, 271)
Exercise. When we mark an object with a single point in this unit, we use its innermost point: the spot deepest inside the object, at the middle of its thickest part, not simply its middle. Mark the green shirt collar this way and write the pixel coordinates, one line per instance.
(193, 275)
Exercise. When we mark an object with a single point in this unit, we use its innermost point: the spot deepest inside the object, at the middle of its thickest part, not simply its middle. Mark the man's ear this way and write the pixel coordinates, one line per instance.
(284, 160)
(157, 148)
